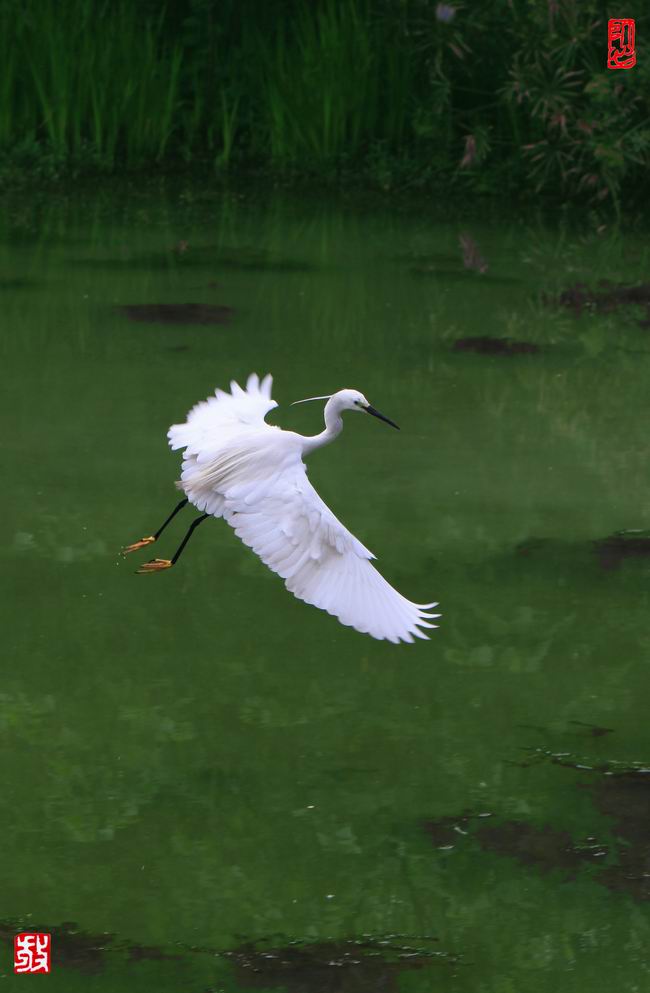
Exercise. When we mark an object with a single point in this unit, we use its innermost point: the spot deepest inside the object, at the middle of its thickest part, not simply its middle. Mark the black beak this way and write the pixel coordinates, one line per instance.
(375, 413)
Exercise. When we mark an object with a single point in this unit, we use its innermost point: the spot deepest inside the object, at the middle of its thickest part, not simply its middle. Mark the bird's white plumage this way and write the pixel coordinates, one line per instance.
(252, 474)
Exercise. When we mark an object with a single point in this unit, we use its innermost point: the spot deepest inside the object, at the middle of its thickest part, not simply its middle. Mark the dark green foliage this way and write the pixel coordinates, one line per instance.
(506, 96)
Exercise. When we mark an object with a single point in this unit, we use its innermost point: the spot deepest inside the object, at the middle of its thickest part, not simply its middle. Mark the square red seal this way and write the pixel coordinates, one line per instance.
(621, 53)
(32, 952)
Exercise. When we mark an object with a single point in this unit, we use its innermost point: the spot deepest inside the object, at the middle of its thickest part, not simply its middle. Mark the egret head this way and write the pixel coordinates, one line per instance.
(351, 400)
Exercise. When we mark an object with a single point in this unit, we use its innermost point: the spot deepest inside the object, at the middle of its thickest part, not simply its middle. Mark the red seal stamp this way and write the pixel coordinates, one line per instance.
(621, 53)
(32, 953)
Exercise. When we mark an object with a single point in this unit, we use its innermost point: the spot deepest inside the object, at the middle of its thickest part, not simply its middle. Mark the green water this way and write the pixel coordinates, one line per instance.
(196, 762)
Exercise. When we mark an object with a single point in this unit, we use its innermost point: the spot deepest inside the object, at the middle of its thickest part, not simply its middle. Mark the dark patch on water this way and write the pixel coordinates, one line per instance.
(613, 550)
(609, 296)
(626, 798)
(586, 730)
(594, 730)
(568, 556)
(619, 791)
(77, 949)
(372, 964)
(495, 346)
(545, 848)
(177, 313)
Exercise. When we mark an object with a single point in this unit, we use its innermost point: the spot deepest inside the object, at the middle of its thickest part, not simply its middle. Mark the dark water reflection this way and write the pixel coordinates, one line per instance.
(209, 771)
(177, 313)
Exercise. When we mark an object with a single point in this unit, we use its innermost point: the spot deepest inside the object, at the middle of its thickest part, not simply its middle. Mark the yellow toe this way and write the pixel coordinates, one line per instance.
(156, 565)
(137, 545)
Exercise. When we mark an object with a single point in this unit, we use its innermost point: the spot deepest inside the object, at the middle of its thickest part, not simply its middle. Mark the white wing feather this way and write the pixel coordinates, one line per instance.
(238, 467)
(208, 420)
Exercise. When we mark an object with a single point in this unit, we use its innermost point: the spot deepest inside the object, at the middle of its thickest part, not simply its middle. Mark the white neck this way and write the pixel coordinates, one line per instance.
(333, 428)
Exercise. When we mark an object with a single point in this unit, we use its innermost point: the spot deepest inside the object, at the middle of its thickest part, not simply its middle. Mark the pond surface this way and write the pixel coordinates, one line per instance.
(224, 788)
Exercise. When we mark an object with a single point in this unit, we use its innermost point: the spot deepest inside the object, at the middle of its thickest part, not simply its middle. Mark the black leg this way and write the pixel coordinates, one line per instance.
(190, 531)
(157, 565)
(170, 518)
(154, 537)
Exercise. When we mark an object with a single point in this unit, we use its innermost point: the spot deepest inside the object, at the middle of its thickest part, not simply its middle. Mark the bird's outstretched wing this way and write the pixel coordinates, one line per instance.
(222, 413)
(297, 536)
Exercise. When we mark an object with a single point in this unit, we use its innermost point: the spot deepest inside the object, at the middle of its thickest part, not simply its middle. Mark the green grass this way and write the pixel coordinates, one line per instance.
(506, 96)
(80, 76)
(321, 84)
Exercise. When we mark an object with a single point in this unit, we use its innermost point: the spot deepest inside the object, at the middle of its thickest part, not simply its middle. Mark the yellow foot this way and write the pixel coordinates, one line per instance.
(138, 545)
(156, 565)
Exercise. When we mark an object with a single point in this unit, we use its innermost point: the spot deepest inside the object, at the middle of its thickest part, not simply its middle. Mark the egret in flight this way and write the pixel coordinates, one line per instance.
(252, 474)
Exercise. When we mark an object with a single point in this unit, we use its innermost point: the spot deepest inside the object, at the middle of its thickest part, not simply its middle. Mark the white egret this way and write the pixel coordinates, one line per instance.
(252, 474)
